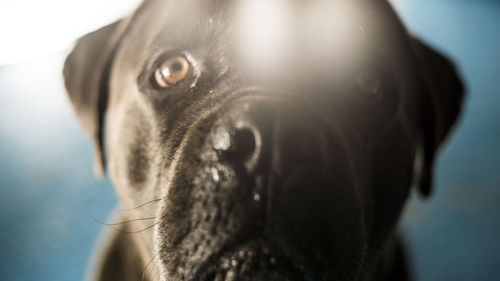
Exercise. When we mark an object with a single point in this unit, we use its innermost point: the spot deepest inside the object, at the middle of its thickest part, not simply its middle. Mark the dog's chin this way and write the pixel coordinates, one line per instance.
(252, 260)
(258, 260)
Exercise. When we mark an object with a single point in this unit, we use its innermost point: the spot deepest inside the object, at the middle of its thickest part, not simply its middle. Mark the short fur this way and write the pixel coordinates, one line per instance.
(316, 174)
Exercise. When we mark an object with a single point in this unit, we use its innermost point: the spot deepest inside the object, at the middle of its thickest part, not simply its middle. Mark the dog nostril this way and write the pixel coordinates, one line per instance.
(235, 144)
(244, 143)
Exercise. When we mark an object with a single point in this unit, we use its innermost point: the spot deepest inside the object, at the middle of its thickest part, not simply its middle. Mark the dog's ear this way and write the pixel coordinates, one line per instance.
(440, 101)
(86, 75)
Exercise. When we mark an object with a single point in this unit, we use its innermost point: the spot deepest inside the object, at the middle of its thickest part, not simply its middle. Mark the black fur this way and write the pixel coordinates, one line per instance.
(291, 172)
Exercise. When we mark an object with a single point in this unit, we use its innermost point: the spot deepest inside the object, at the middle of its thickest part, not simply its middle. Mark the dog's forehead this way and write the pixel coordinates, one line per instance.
(264, 36)
(263, 27)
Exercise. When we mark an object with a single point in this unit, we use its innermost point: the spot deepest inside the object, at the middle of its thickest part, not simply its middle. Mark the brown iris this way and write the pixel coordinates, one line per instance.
(172, 71)
(368, 82)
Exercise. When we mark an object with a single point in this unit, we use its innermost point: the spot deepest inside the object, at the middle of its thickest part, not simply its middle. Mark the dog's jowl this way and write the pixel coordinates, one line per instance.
(261, 140)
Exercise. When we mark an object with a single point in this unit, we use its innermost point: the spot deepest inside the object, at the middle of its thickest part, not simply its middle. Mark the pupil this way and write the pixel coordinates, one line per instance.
(176, 66)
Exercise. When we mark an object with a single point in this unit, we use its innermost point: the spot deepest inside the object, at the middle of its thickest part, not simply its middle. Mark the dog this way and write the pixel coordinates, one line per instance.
(261, 140)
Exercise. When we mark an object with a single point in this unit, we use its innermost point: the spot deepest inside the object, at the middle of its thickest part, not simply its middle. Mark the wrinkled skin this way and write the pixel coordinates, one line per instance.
(285, 172)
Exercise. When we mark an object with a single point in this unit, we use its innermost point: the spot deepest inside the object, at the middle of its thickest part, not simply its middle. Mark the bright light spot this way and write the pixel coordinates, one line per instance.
(215, 174)
(256, 197)
(221, 139)
(33, 28)
(264, 32)
(330, 29)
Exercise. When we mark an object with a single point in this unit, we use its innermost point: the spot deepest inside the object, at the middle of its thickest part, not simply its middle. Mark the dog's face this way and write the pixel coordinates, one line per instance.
(279, 137)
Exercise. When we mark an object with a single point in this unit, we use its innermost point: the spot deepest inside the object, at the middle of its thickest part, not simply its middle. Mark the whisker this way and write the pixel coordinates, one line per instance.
(123, 222)
(154, 201)
(137, 231)
(147, 265)
(125, 231)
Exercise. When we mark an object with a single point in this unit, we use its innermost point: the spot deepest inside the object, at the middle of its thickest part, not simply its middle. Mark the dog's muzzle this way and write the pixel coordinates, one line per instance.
(268, 191)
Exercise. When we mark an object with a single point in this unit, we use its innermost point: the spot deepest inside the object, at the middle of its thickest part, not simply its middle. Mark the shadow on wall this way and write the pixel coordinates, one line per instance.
(50, 194)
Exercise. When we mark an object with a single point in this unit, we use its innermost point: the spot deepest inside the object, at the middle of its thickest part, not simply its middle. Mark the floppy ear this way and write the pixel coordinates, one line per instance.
(86, 75)
(441, 100)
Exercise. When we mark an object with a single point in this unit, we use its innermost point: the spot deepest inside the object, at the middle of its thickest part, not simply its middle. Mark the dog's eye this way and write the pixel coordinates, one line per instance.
(172, 71)
(368, 82)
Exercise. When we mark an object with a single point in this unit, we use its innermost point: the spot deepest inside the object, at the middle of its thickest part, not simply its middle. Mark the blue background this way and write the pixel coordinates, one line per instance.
(49, 193)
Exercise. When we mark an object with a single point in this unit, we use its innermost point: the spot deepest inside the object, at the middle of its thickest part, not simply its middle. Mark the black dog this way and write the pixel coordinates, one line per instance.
(273, 140)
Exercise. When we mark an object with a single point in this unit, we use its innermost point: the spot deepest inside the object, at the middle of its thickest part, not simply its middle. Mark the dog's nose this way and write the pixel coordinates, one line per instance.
(268, 165)
(238, 135)
(236, 143)
(268, 132)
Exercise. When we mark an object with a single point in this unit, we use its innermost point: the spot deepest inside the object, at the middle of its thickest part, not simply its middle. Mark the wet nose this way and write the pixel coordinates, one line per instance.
(236, 143)
(265, 131)
(272, 168)
(239, 133)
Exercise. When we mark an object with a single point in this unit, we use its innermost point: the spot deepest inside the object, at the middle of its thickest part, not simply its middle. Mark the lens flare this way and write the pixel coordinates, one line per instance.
(331, 30)
(264, 32)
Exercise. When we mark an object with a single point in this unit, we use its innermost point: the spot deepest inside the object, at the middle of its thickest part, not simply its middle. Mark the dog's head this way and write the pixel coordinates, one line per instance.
(278, 136)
